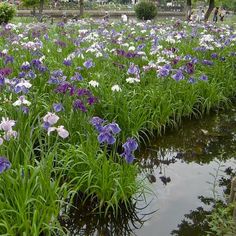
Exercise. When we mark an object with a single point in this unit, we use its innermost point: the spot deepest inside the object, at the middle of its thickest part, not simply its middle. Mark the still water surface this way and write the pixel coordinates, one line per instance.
(183, 162)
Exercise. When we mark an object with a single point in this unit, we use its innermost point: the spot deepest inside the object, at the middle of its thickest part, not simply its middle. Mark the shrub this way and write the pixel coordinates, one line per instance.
(145, 10)
(7, 12)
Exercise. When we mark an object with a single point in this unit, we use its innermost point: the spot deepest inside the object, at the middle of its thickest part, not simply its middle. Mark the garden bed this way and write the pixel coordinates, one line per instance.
(78, 98)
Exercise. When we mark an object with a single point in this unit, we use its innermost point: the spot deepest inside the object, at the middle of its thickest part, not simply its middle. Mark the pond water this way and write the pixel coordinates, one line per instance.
(179, 168)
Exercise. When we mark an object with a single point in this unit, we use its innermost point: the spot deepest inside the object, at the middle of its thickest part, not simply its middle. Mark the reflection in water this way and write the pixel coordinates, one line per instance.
(84, 220)
(182, 162)
(195, 222)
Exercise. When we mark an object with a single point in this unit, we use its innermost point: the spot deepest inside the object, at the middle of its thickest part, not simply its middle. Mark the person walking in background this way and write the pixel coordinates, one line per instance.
(215, 17)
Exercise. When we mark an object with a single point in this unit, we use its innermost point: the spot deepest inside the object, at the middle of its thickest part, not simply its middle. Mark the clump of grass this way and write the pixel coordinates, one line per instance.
(106, 181)
(30, 200)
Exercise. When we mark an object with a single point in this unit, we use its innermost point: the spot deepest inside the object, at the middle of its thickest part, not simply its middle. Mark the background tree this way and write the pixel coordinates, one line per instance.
(188, 8)
(81, 8)
(34, 4)
(209, 10)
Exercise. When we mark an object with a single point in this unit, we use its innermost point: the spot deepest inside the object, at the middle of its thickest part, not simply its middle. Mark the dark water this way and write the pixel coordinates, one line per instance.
(179, 168)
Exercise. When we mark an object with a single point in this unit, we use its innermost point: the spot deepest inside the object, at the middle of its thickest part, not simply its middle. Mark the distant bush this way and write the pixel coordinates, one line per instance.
(145, 10)
(7, 12)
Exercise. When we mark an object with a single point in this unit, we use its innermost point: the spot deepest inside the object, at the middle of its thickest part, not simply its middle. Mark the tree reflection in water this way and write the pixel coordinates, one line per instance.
(195, 223)
(84, 220)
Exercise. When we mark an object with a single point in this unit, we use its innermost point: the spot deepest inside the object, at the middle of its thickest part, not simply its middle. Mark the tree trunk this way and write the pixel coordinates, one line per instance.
(81, 8)
(41, 3)
(34, 11)
(188, 9)
(210, 9)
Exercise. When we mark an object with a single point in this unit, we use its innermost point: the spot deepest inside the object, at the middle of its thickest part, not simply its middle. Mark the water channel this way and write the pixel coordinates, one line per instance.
(180, 168)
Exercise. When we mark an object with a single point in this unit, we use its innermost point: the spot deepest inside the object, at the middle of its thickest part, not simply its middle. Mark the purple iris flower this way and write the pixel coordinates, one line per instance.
(88, 64)
(214, 55)
(83, 92)
(178, 76)
(113, 128)
(46, 37)
(77, 77)
(46, 125)
(188, 57)
(189, 68)
(107, 132)
(129, 147)
(164, 71)
(176, 60)
(36, 63)
(64, 87)
(57, 107)
(25, 66)
(129, 158)
(194, 60)
(2, 80)
(54, 80)
(42, 68)
(203, 77)
(78, 104)
(207, 62)
(5, 71)
(57, 73)
(25, 109)
(141, 46)
(97, 122)
(22, 89)
(67, 62)
(133, 69)
(120, 52)
(60, 43)
(31, 74)
(8, 59)
(106, 137)
(21, 74)
(91, 100)
(4, 164)
(191, 80)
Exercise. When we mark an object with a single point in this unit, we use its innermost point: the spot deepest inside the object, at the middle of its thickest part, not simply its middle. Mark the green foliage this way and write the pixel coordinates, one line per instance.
(145, 10)
(105, 178)
(221, 221)
(29, 3)
(7, 12)
(32, 3)
(29, 200)
(228, 4)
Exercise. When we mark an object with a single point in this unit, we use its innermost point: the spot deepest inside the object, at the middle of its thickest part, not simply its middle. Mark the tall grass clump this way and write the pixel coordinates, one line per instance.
(30, 201)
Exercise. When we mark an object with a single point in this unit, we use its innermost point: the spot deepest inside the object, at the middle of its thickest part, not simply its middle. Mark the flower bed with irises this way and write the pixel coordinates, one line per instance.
(78, 98)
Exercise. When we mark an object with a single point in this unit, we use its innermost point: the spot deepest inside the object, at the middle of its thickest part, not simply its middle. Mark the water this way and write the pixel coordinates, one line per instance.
(179, 168)
(182, 163)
